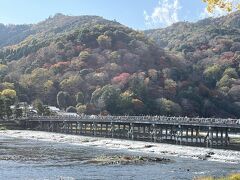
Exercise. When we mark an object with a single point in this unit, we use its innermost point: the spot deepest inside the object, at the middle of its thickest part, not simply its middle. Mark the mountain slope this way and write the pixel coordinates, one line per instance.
(13, 34)
(56, 25)
(196, 34)
(98, 65)
(211, 47)
(90, 56)
(17, 40)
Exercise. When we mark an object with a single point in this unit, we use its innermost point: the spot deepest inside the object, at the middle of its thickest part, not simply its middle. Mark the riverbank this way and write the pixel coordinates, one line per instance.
(230, 177)
(165, 150)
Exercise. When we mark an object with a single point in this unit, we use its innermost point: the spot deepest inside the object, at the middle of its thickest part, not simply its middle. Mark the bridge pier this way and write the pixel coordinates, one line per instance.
(227, 139)
(221, 136)
(166, 132)
(101, 129)
(192, 134)
(94, 128)
(80, 124)
(187, 134)
(210, 139)
(41, 125)
(85, 128)
(197, 136)
(171, 133)
(154, 133)
(181, 134)
(160, 134)
(217, 132)
(68, 127)
(112, 130)
(217, 136)
(124, 130)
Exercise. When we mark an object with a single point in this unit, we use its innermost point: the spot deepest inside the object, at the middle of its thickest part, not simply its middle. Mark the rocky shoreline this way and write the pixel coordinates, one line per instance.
(126, 160)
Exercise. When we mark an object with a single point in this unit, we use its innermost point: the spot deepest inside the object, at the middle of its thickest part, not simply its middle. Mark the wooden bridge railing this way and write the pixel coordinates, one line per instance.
(142, 119)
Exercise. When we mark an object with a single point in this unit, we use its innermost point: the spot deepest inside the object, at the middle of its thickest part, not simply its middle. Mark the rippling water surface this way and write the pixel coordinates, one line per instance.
(27, 159)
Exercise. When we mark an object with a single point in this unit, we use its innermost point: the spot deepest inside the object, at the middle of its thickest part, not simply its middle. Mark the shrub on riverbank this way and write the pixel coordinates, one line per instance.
(230, 177)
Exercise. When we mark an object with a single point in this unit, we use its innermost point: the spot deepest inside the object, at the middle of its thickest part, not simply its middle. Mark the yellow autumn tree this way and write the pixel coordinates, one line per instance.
(9, 93)
(227, 5)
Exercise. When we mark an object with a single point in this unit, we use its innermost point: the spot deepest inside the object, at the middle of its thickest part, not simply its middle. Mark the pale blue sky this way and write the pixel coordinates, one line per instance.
(128, 12)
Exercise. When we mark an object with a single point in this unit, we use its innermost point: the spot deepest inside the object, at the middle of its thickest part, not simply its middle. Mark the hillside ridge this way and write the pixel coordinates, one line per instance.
(90, 65)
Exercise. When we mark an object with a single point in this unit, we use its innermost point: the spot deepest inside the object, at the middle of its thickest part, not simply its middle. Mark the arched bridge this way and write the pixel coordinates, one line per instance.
(180, 130)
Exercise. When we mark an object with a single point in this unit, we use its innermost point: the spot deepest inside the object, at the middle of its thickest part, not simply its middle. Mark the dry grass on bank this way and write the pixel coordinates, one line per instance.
(230, 177)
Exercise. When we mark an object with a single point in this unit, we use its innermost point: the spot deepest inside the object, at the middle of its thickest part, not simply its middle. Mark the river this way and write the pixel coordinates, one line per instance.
(33, 159)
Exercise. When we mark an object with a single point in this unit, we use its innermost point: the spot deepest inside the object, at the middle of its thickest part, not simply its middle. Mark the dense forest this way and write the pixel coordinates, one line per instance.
(90, 65)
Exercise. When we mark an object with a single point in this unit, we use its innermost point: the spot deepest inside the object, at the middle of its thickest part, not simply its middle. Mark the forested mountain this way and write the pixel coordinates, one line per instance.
(101, 66)
(12, 34)
(26, 39)
(211, 48)
(175, 37)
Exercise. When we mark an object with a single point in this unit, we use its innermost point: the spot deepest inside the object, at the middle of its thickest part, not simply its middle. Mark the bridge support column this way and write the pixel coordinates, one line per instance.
(119, 130)
(139, 131)
(51, 126)
(227, 139)
(112, 130)
(65, 127)
(91, 131)
(54, 127)
(160, 134)
(41, 125)
(72, 128)
(85, 128)
(221, 137)
(154, 133)
(80, 127)
(144, 131)
(94, 129)
(76, 128)
(48, 126)
(45, 126)
(171, 133)
(129, 131)
(197, 135)
(166, 133)
(187, 134)
(124, 131)
(181, 134)
(68, 127)
(132, 131)
(58, 127)
(101, 129)
(210, 137)
(106, 130)
(192, 130)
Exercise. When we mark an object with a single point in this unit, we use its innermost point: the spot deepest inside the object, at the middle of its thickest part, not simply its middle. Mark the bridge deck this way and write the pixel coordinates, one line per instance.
(161, 120)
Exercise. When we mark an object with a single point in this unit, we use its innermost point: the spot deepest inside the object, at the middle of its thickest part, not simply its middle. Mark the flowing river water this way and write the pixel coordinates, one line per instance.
(31, 159)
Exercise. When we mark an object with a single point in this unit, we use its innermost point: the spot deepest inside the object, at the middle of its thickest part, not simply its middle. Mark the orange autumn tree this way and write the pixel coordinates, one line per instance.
(227, 5)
